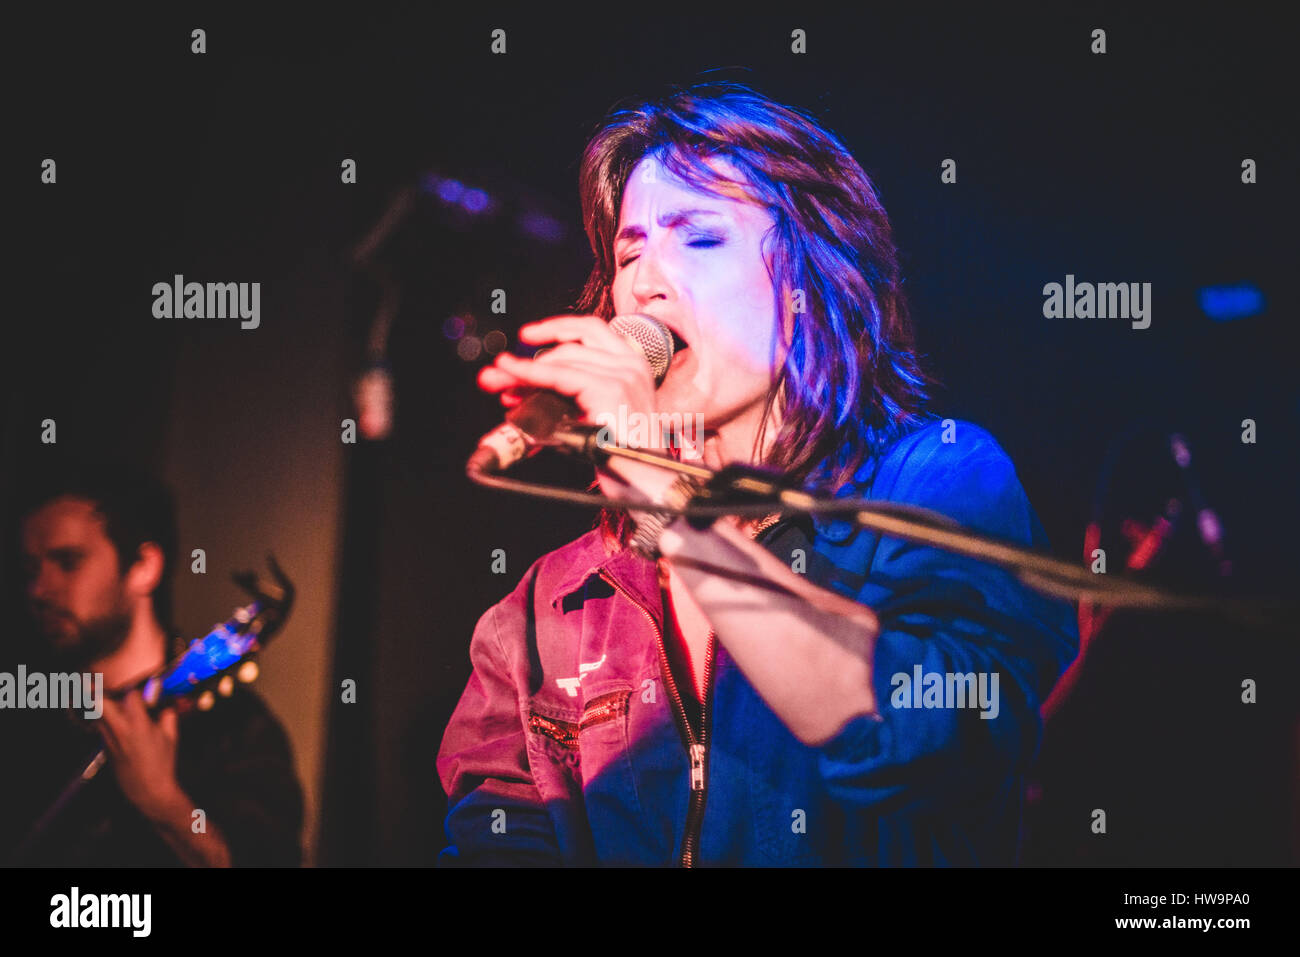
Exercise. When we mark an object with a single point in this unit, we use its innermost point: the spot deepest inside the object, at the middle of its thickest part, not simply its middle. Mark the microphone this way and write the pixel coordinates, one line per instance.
(534, 420)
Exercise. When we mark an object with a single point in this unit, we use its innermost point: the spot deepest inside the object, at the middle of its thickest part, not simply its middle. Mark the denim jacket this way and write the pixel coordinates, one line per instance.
(568, 745)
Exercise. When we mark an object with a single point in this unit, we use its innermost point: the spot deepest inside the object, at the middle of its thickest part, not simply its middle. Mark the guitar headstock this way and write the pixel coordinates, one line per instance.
(212, 664)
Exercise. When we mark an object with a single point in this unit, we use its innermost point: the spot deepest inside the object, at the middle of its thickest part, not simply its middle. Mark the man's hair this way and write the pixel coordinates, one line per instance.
(851, 381)
(136, 508)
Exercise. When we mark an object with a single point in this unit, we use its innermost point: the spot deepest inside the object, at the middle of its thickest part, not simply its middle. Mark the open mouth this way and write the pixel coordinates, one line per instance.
(678, 343)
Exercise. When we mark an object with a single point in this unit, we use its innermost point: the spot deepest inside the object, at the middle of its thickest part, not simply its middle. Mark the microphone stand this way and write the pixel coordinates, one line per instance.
(751, 490)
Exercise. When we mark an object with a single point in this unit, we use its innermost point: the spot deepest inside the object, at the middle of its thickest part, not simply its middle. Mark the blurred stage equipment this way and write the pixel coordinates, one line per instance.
(462, 205)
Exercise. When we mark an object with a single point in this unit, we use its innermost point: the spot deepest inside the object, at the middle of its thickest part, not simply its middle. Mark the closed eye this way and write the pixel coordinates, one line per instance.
(701, 243)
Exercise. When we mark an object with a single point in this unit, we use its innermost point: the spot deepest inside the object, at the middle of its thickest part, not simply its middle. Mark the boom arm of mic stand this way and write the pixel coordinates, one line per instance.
(749, 490)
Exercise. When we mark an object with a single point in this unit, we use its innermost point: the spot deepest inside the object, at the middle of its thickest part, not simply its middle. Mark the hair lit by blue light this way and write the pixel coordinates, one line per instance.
(1225, 303)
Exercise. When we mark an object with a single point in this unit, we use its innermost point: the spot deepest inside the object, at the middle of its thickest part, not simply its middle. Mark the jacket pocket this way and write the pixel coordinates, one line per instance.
(599, 710)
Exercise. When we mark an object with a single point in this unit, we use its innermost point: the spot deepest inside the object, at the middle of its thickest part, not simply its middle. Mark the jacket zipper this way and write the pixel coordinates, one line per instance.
(565, 732)
(697, 748)
(699, 754)
(605, 708)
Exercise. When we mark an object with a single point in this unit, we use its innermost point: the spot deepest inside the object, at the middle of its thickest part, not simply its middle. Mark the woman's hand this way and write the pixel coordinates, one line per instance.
(604, 373)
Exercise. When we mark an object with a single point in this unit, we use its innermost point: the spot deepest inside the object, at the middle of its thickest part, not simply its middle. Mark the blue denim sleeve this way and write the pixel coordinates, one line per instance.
(496, 816)
(946, 615)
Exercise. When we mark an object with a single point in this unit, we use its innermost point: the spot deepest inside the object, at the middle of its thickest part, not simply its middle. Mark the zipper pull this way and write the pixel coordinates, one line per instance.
(697, 767)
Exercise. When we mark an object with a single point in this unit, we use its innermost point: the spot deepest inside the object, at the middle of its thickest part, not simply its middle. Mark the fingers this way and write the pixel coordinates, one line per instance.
(589, 330)
(167, 722)
(590, 382)
(598, 368)
(510, 371)
(111, 725)
(494, 379)
(124, 719)
(567, 378)
(581, 351)
(585, 343)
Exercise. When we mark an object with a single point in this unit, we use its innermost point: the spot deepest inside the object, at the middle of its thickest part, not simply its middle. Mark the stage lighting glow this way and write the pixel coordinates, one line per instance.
(469, 348)
(1225, 303)
(449, 190)
(541, 226)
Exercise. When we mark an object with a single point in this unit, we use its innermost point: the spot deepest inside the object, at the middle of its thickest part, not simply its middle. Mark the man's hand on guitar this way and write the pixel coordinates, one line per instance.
(143, 752)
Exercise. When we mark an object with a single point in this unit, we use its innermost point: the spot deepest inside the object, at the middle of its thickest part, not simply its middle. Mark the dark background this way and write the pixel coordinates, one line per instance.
(225, 167)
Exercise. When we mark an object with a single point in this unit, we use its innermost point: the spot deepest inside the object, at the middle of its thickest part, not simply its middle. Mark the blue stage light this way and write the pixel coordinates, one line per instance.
(475, 200)
(1226, 303)
(449, 190)
(541, 226)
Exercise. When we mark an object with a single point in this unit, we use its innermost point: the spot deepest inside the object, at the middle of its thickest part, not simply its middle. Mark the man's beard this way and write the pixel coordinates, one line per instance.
(89, 641)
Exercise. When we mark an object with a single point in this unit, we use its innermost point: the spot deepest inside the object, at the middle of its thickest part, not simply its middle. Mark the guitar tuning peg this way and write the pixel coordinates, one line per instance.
(206, 700)
(226, 686)
(248, 671)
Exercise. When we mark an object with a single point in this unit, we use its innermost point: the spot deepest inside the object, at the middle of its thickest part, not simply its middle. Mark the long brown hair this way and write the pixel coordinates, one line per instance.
(851, 380)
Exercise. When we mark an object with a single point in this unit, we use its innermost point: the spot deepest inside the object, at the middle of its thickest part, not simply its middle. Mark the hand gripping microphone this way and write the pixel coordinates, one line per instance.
(529, 424)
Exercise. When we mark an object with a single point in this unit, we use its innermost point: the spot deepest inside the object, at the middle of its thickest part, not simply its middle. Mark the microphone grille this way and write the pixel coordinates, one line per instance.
(649, 335)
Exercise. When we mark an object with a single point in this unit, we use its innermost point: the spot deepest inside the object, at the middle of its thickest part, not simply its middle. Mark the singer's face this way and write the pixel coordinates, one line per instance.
(695, 261)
